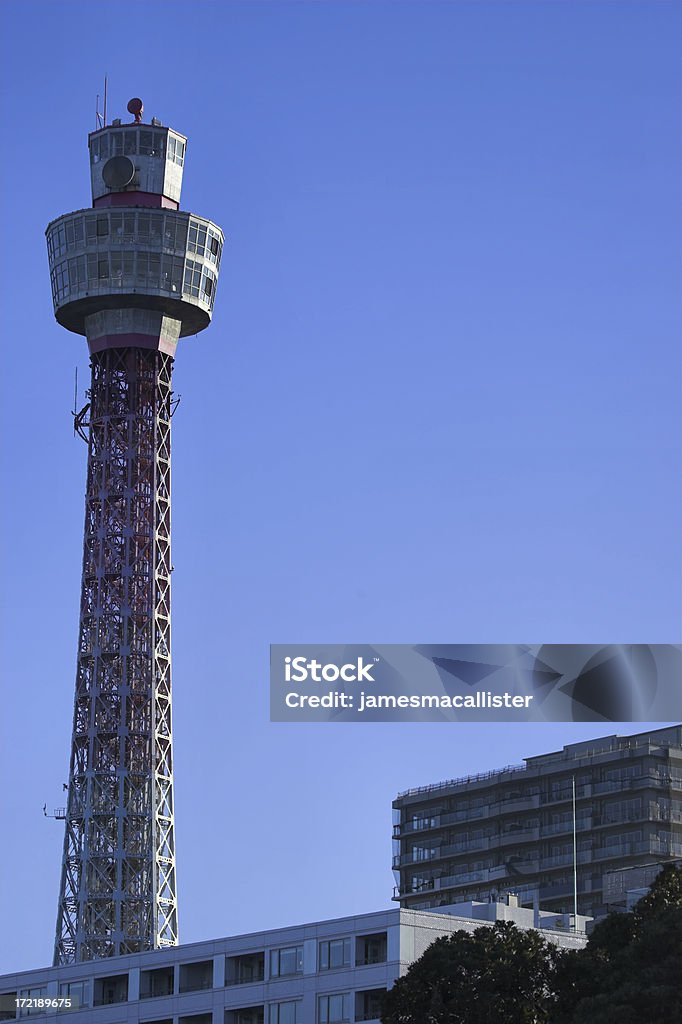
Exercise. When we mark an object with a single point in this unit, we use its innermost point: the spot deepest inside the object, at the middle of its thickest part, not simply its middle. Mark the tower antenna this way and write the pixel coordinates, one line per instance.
(101, 119)
(575, 862)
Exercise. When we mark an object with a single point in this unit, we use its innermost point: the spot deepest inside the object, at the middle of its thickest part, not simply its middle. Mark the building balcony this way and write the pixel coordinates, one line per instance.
(522, 803)
(565, 860)
(440, 852)
(516, 836)
(566, 827)
(555, 892)
(440, 820)
(486, 875)
(647, 846)
(625, 785)
(245, 968)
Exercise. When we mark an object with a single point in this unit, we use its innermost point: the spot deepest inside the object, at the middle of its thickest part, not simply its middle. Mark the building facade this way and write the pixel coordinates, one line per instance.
(512, 830)
(327, 972)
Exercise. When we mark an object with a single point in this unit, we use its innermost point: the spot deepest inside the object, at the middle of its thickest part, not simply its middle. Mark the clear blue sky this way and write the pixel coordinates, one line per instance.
(440, 401)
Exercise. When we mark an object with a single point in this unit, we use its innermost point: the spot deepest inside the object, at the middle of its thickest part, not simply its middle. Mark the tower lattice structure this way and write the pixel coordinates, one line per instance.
(133, 274)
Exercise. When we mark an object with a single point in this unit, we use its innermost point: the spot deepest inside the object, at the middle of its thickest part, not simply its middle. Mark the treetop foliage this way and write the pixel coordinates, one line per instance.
(630, 972)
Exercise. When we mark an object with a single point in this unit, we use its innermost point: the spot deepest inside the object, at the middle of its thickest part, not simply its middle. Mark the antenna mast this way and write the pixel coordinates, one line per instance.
(101, 119)
(575, 863)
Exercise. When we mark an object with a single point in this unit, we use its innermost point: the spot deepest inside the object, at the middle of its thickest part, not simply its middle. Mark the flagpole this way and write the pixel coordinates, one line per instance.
(575, 865)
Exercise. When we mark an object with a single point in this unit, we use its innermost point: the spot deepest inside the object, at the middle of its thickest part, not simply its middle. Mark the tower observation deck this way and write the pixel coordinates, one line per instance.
(133, 274)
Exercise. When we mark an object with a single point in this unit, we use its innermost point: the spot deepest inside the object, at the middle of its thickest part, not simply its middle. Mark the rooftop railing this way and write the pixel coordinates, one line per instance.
(464, 780)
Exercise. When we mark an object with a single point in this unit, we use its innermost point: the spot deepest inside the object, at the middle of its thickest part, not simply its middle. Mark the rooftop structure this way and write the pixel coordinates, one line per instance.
(133, 274)
(512, 830)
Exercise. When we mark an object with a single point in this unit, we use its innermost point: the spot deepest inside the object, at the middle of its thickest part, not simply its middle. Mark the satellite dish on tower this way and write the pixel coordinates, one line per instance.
(118, 172)
(135, 107)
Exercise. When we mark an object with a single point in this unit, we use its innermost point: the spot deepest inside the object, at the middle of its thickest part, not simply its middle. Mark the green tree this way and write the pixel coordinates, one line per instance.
(495, 975)
(630, 972)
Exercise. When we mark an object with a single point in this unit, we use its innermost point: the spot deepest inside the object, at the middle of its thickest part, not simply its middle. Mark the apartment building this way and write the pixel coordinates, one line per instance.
(512, 830)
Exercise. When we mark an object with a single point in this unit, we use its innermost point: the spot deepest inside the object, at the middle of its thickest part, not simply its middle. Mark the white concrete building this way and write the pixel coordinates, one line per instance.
(326, 972)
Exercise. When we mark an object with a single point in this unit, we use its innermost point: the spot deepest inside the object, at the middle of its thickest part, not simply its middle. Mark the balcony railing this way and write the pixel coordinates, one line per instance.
(559, 827)
(521, 803)
(434, 821)
(465, 780)
(195, 986)
(566, 859)
(439, 852)
(244, 980)
(522, 835)
(644, 846)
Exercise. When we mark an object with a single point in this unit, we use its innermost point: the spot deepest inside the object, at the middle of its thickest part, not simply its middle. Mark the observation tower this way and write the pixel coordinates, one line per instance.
(133, 274)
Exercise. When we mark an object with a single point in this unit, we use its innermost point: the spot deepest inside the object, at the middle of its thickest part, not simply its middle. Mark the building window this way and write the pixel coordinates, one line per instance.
(60, 281)
(91, 231)
(32, 993)
(285, 1013)
(194, 977)
(244, 969)
(333, 1009)
(192, 278)
(58, 239)
(334, 953)
(246, 1015)
(368, 1005)
(286, 961)
(171, 273)
(176, 150)
(8, 1005)
(204, 241)
(424, 852)
(158, 982)
(371, 949)
(99, 148)
(175, 233)
(196, 240)
(77, 274)
(111, 990)
(77, 991)
(143, 226)
(208, 285)
(420, 821)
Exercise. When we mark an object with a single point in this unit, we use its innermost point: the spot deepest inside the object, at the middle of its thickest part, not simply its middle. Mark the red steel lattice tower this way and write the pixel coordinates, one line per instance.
(133, 274)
